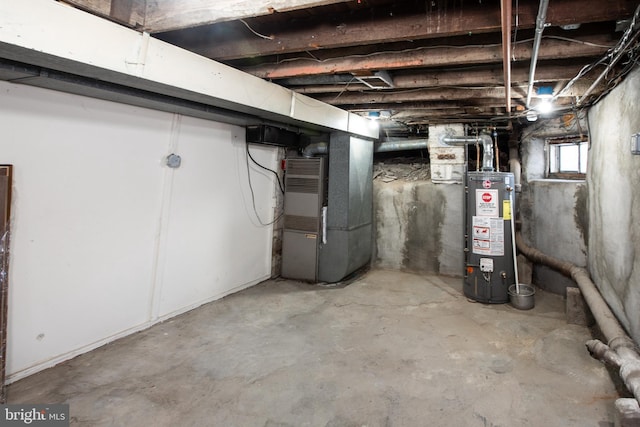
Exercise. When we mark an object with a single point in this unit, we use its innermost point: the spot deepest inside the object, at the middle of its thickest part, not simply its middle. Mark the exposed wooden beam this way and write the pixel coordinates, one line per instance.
(471, 96)
(127, 12)
(434, 24)
(435, 57)
(490, 77)
(435, 94)
(121, 10)
(165, 15)
(419, 107)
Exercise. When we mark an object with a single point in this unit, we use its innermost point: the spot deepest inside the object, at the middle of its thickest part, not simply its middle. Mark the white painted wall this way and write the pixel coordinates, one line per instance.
(106, 239)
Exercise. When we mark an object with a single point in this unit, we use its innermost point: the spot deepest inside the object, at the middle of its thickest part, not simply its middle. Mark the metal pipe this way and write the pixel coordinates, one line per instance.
(505, 8)
(540, 23)
(317, 148)
(495, 149)
(516, 169)
(485, 140)
(512, 214)
(603, 352)
(616, 336)
(400, 145)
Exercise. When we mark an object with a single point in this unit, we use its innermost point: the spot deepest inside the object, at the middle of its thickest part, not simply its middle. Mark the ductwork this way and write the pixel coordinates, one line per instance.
(540, 24)
(317, 148)
(485, 140)
(314, 149)
(619, 342)
(401, 145)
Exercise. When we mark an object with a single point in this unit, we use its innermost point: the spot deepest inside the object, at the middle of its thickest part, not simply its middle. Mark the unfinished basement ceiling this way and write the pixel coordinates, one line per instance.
(414, 62)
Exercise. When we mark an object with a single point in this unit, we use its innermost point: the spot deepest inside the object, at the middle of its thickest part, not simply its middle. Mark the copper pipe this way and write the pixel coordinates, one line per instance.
(505, 9)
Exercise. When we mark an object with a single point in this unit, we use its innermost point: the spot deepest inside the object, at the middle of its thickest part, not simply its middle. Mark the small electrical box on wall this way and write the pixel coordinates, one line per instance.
(635, 143)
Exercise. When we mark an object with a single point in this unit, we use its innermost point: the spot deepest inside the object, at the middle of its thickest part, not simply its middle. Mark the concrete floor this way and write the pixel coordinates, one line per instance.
(389, 349)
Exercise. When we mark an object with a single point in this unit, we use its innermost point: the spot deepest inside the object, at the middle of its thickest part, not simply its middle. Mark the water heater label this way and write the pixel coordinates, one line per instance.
(488, 236)
(487, 203)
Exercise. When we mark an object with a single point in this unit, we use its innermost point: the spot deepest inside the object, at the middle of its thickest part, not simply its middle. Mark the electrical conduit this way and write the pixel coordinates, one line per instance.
(540, 23)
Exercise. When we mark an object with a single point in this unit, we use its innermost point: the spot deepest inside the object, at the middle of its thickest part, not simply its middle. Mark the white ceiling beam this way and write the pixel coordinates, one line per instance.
(51, 35)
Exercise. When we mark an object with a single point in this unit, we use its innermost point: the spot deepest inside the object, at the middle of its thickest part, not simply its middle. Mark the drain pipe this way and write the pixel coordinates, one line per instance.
(628, 359)
(540, 24)
(485, 140)
(514, 162)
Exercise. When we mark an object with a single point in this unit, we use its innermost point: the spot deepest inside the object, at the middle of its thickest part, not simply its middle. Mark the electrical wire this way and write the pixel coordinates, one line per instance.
(623, 46)
(265, 168)
(255, 32)
(608, 59)
(586, 43)
(421, 48)
(344, 89)
(253, 196)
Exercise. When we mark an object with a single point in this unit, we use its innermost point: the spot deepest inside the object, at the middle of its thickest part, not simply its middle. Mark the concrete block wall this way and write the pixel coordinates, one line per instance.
(419, 226)
(553, 212)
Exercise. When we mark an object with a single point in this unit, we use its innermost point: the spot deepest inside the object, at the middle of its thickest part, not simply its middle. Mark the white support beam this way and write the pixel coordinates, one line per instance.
(165, 15)
(51, 35)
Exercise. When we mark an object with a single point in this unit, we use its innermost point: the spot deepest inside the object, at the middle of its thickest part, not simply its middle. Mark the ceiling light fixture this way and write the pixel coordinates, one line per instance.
(545, 93)
(544, 106)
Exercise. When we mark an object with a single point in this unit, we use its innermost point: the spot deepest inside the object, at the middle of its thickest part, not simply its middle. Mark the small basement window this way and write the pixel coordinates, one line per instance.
(567, 157)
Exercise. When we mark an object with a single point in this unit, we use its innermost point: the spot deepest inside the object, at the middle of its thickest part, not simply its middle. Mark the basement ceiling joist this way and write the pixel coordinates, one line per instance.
(321, 48)
(360, 29)
(155, 16)
(415, 79)
(164, 15)
(432, 56)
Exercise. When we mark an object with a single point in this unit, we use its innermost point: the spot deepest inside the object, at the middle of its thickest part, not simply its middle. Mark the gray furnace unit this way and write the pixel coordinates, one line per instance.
(488, 249)
(328, 217)
(303, 200)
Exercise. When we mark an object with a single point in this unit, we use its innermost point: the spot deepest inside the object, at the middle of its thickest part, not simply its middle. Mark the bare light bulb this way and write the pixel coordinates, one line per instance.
(544, 106)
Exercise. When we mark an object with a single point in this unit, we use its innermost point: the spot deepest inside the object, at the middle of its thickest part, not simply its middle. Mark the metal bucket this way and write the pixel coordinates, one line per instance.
(522, 300)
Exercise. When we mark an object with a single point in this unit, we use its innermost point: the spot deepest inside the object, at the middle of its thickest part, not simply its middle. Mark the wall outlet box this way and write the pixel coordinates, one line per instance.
(635, 143)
